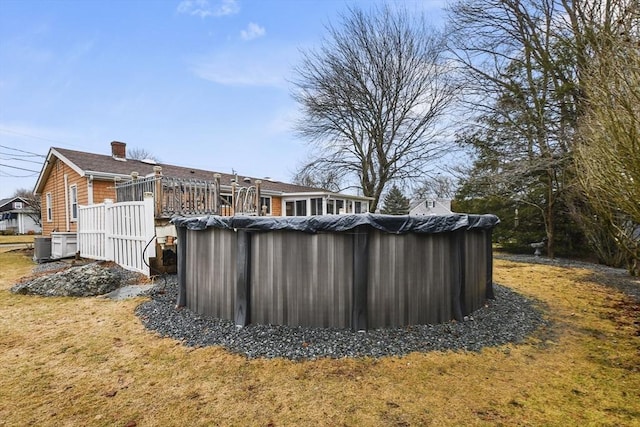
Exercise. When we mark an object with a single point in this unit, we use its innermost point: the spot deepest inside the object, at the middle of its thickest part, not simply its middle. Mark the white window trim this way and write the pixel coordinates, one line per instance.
(270, 211)
(307, 204)
(348, 205)
(48, 203)
(311, 204)
(73, 190)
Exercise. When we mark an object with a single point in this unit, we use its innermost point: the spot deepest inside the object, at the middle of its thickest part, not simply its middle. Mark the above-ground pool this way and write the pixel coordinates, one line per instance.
(341, 271)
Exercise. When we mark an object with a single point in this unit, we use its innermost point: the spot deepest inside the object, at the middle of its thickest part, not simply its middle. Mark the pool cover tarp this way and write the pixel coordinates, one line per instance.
(396, 224)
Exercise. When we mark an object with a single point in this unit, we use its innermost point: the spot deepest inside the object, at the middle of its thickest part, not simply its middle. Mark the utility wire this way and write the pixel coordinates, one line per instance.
(18, 159)
(30, 136)
(6, 175)
(16, 167)
(22, 151)
(21, 155)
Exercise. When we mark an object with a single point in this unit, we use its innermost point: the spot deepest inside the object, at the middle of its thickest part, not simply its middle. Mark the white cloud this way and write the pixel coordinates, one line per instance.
(247, 67)
(253, 31)
(25, 49)
(199, 8)
(203, 8)
(78, 51)
(36, 139)
(245, 73)
(283, 120)
(227, 7)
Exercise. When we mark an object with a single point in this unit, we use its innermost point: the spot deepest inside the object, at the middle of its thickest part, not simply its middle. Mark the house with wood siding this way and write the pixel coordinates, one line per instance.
(17, 216)
(71, 178)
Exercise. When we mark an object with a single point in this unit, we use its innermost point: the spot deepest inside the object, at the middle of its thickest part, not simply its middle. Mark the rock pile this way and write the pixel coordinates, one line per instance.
(88, 280)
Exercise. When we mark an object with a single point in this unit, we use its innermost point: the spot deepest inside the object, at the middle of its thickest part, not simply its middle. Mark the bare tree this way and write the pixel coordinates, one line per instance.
(371, 98)
(439, 186)
(141, 154)
(608, 160)
(33, 200)
(523, 63)
(324, 179)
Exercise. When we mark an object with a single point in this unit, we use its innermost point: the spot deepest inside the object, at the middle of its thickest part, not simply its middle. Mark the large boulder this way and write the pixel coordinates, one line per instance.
(88, 280)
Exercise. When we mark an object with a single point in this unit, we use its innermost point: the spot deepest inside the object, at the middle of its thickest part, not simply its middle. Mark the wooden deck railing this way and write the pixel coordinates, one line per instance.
(187, 197)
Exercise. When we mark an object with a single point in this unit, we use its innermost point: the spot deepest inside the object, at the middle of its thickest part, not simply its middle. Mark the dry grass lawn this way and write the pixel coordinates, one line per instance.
(80, 362)
(22, 238)
(10, 243)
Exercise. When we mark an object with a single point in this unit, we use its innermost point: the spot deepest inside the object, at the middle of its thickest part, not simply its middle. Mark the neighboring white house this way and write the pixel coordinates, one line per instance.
(433, 206)
(16, 215)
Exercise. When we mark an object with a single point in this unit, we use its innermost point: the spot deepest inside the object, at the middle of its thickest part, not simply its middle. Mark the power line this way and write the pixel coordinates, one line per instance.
(21, 155)
(8, 175)
(16, 167)
(18, 159)
(22, 151)
(30, 136)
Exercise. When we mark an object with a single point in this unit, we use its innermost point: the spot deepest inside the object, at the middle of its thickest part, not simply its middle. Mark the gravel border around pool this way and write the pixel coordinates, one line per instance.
(509, 318)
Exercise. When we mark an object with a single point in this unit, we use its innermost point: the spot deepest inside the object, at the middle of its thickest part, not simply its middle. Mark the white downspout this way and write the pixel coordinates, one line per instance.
(90, 190)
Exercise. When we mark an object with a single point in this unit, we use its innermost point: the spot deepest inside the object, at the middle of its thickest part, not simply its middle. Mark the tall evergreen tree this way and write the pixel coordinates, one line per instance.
(395, 203)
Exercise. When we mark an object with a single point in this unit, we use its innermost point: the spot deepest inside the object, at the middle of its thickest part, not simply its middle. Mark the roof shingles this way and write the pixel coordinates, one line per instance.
(100, 163)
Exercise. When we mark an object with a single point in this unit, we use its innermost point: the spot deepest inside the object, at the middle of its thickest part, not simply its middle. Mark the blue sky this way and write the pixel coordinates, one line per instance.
(199, 83)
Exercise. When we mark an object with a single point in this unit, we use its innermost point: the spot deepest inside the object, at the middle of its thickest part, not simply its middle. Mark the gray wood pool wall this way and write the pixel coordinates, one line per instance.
(360, 279)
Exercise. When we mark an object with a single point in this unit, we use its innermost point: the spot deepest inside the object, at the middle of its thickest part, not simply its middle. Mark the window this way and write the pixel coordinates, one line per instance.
(330, 205)
(18, 205)
(339, 206)
(49, 206)
(316, 206)
(73, 202)
(265, 202)
(296, 208)
(301, 208)
(358, 207)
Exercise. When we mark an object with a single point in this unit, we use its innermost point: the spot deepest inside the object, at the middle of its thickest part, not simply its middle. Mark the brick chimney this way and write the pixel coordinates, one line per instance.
(119, 150)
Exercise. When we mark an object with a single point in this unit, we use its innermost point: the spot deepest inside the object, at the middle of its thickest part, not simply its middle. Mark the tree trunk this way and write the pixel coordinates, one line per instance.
(550, 220)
